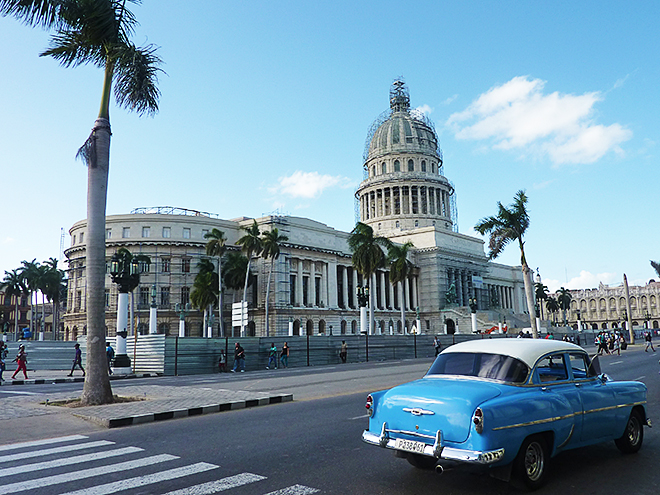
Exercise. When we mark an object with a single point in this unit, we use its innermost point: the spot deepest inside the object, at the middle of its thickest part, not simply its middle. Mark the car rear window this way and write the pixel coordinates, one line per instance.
(492, 366)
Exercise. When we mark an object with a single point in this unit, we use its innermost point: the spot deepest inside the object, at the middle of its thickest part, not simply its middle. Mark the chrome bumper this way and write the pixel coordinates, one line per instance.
(437, 449)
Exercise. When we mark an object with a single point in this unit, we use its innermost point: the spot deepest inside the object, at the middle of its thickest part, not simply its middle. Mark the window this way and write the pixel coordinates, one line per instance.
(397, 224)
(204, 232)
(126, 232)
(78, 300)
(185, 295)
(433, 167)
(186, 233)
(185, 265)
(164, 296)
(108, 233)
(74, 239)
(165, 265)
(143, 297)
(423, 165)
(384, 168)
(397, 166)
(167, 232)
(146, 231)
(551, 369)
(292, 290)
(107, 298)
(491, 366)
(411, 166)
(581, 367)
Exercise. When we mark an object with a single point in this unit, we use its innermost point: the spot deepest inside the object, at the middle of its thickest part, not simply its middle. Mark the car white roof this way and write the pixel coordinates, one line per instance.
(527, 350)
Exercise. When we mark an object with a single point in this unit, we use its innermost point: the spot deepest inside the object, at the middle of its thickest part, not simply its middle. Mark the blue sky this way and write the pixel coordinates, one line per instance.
(266, 106)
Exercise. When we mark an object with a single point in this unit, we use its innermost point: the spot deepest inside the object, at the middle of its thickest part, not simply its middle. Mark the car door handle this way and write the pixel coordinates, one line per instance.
(578, 384)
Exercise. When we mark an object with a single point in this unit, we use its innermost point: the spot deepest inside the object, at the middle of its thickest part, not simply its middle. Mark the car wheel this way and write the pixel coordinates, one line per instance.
(632, 438)
(422, 461)
(531, 462)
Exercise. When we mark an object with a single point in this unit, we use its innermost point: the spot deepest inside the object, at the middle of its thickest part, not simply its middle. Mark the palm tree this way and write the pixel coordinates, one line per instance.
(14, 285)
(541, 293)
(53, 285)
(368, 256)
(564, 298)
(216, 247)
(234, 267)
(97, 32)
(271, 242)
(552, 306)
(32, 273)
(509, 225)
(656, 266)
(252, 246)
(400, 268)
(204, 294)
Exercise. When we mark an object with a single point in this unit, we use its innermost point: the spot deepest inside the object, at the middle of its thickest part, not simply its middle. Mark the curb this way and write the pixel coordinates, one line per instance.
(74, 379)
(230, 405)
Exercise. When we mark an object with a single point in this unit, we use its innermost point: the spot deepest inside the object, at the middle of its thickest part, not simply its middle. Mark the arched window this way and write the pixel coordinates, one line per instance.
(373, 171)
(411, 166)
(423, 165)
(397, 166)
(433, 168)
(384, 168)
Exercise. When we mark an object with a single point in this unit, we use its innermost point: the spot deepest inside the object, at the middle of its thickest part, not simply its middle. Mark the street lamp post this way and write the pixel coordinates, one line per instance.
(153, 310)
(209, 333)
(363, 301)
(579, 319)
(182, 309)
(647, 319)
(473, 313)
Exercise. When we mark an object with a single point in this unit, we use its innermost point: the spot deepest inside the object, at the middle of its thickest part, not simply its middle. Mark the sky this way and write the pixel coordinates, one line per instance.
(265, 107)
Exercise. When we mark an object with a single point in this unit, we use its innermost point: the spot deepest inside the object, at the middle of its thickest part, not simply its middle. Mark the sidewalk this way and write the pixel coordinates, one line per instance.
(39, 377)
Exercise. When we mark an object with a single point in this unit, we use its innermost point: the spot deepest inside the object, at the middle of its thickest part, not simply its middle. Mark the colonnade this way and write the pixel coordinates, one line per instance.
(405, 200)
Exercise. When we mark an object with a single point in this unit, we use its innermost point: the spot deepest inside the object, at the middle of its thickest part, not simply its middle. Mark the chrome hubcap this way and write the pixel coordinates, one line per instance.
(534, 461)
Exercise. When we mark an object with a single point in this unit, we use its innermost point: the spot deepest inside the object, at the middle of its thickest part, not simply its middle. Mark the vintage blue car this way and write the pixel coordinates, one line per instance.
(508, 405)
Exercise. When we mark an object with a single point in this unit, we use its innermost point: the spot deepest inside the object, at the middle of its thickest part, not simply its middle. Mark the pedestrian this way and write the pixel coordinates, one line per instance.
(77, 360)
(239, 359)
(110, 353)
(2, 360)
(284, 355)
(649, 342)
(222, 362)
(616, 345)
(272, 356)
(21, 361)
(437, 344)
(343, 352)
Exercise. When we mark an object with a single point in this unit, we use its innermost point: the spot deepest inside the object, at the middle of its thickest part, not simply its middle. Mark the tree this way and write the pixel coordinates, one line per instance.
(216, 247)
(368, 256)
(656, 266)
(552, 306)
(53, 288)
(234, 267)
(32, 275)
(251, 243)
(541, 292)
(510, 224)
(14, 286)
(97, 32)
(400, 268)
(564, 299)
(204, 294)
(271, 242)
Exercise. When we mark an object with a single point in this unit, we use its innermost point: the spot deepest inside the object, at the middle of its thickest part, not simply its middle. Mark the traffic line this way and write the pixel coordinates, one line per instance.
(67, 461)
(149, 479)
(359, 417)
(54, 450)
(219, 485)
(17, 392)
(85, 473)
(36, 443)
(295, 490)
(615, 362)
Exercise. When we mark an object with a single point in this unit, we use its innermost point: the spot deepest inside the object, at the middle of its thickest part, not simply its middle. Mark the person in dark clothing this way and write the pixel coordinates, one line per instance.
(110, 353)
(77, 361)
(239, 359)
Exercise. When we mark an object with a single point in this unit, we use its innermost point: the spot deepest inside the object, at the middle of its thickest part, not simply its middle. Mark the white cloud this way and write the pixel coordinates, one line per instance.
(518, 115)
(308, 184)
(449, 100)
(585, 280)
(425, 109)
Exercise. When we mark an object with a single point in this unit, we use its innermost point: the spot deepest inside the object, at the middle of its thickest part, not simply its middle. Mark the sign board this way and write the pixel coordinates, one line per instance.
(477, 282)
(239, 313)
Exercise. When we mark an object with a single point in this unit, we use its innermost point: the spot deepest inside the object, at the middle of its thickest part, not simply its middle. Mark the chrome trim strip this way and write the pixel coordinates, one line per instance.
(416, 411)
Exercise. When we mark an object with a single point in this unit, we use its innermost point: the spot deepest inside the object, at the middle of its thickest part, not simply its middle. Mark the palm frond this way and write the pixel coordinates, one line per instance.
(38, 13)
(656, 266)
(136, 79)
(71, 49)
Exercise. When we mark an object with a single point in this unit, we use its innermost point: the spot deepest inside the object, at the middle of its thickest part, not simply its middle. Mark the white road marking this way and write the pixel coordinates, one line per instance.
(85, 473)
(54, 450)
(640, 378)
(295, 490)
(219, 485)
(17, 392)
(67, 461)
(149, 479)
(359, 417)
(615, 362)
(47, 441)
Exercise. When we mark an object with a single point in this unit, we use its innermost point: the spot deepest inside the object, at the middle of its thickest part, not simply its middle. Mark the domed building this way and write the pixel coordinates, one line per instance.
(404, 196)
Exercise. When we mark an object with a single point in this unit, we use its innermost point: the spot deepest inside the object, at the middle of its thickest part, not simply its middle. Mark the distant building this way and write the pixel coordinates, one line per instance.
(8, 312)
(404, 197)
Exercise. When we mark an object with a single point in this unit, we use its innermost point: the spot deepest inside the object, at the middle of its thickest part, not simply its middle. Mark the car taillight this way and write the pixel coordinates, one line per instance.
(478, 420)
(370, 405)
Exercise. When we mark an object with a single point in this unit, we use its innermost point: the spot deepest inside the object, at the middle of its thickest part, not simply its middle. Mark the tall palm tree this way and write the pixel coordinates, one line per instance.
(14, 286)
(510, 224)
(656, 266)
(400, 268)
(368, 256)
(541, 293)
(251, 244)
(53, 283)
(234, 267)
(204, 294)
(552, 306)
(216, 247)
(32, 274)
(97, 32)
(271, 242)
(564, 299)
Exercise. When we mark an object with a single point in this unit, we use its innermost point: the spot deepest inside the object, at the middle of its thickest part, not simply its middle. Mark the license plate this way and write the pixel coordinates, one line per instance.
(409, 445)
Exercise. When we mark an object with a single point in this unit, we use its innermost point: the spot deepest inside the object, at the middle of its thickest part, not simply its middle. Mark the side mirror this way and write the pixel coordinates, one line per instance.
(604, 377)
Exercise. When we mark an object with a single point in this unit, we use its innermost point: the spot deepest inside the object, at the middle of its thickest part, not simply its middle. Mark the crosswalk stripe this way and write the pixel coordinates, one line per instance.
(295, 490)
(149, 479)
(85, 473)
(219, 485)
(36, 443)
(54, 450)
(28, 468)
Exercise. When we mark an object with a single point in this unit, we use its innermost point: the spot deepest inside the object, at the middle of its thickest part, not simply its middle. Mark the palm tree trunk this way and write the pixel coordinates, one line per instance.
(529, 294)
(270, 273)
(97, 388)
(221, 325)
(247, 276)
(402, 303)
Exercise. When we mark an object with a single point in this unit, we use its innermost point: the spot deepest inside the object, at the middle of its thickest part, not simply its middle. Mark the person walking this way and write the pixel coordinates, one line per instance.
(437, 344)
(77, 360)
(272, 356)
(2, 360)
(649, 342)
(239, 359)
(21, 361)
(222, 362)
(110, 353)
(284, 355)
(343, 352)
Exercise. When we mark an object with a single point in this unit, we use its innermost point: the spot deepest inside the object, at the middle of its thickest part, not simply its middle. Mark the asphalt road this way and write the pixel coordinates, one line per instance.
(314, 443)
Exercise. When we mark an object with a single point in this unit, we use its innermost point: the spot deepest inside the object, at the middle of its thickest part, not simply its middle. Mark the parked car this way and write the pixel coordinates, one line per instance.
(508, 405)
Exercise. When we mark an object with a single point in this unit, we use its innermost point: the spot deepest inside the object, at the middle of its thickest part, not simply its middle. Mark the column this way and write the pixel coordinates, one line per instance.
(391, 289)
(383, 288)
(312, 284)
(414, 293)
(344, 286)
(299, 287)
(355, 284)
(330, 287)
(459, 288)
(408, 292)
